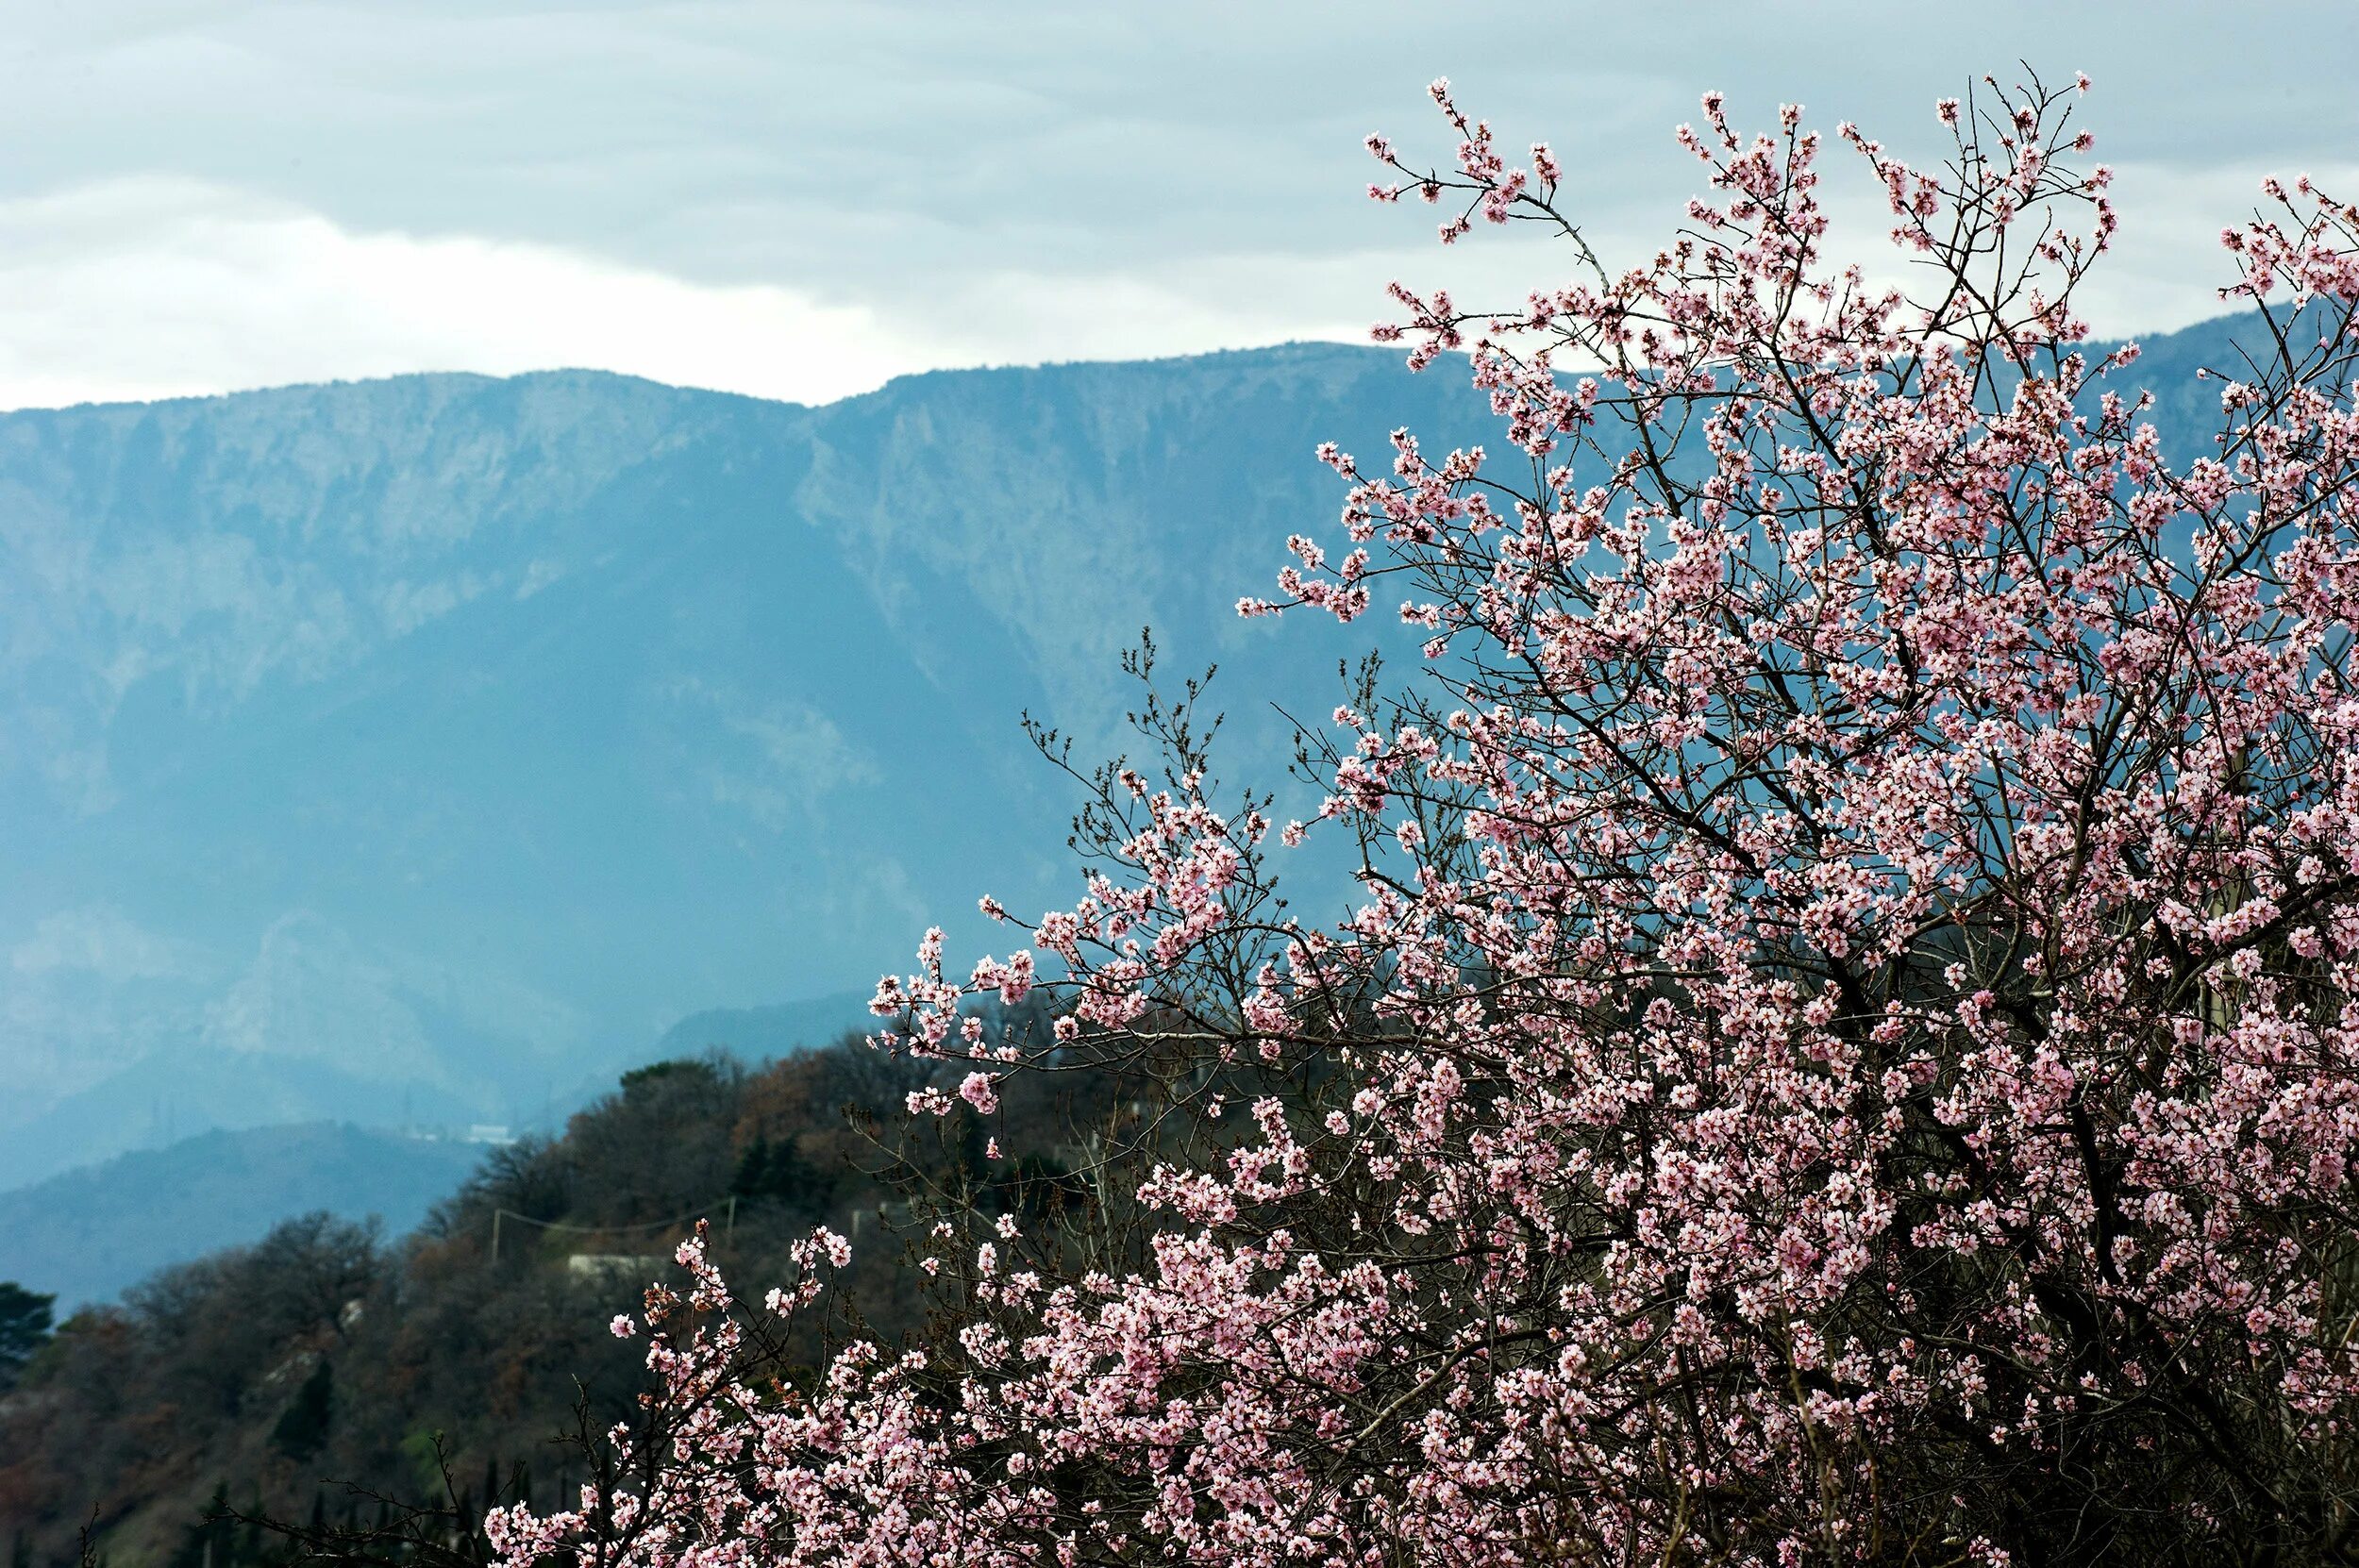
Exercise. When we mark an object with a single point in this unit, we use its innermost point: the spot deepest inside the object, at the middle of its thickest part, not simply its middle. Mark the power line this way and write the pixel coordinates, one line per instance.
(499, 1215)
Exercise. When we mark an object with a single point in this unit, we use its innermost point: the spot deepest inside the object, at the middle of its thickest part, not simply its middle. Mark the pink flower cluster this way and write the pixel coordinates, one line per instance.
(1848, 1040)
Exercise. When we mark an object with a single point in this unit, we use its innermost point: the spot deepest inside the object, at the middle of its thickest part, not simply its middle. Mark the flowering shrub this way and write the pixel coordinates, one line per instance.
(1844, 1049)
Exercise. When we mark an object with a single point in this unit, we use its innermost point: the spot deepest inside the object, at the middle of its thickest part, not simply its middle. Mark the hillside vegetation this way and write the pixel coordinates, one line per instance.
(334, 1373)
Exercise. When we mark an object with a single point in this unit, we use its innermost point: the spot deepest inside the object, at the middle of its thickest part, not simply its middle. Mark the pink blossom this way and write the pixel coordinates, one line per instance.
(1842, 1046)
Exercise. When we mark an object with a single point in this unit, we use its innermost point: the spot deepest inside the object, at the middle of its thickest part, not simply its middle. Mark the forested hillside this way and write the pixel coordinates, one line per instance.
(331, 1372)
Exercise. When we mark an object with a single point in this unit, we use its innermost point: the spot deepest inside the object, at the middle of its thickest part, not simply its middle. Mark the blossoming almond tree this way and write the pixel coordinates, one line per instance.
(1844, 1051)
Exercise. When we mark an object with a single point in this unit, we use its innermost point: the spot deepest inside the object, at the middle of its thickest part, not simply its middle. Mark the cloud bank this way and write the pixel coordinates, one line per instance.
(800, 201)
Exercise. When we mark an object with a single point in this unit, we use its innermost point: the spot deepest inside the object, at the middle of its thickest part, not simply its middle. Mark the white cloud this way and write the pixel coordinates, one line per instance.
(802, 201)
(156, 287)
(408, 606)
(538, 575)
(147, 288)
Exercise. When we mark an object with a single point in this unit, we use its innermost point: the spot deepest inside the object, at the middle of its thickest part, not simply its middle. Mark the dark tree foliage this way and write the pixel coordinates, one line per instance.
(302, 1428)
(328, 1396)
(24, 1328)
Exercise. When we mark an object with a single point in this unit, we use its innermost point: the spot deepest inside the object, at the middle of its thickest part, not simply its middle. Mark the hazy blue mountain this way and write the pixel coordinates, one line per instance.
(421, 750)
(88, 1233)
(756, 1034)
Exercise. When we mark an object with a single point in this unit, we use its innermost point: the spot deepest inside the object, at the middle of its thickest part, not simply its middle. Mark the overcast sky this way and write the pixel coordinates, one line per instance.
(801, 200)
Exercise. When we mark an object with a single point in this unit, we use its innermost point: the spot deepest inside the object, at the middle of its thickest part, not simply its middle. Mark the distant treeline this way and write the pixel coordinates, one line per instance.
(332, 1377)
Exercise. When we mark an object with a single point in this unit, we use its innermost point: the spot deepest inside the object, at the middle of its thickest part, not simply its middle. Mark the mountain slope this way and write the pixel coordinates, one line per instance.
(86, 1235)
(439, 742)
(425, 747)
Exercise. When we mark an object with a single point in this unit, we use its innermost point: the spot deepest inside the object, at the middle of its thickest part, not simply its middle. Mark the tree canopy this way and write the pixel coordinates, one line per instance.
(1841, 1052)
(24, 1328)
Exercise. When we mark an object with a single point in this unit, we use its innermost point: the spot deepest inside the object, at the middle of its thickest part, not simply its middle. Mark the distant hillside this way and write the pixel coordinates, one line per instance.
(312, 1353)
(759, 1034)
(426, 747)
(88, 1234)
(435, 744)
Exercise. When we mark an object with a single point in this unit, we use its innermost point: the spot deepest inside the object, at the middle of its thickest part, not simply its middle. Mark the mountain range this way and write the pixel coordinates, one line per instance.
(421, 750)
(426, 751)
(85, 1235)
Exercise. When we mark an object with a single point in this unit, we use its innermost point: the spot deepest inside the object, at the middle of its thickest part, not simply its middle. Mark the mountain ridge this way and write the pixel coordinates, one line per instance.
(496, 725)
(460, 735)
(1276, 352)
(85, 1235)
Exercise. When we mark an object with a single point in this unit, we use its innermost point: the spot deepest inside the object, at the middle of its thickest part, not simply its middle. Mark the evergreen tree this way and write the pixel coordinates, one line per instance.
(302, 1430)
(24, 1328)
